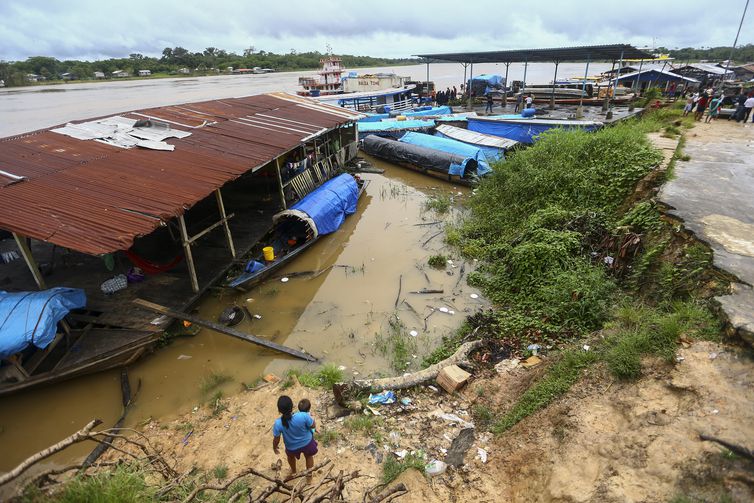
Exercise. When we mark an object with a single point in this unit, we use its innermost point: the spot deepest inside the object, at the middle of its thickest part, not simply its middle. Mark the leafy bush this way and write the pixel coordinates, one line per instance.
(393, 467)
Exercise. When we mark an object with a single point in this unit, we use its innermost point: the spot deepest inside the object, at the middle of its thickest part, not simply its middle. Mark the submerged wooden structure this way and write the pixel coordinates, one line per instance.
(190, 179)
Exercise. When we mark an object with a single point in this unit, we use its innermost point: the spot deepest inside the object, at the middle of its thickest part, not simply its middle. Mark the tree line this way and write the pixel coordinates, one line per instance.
(173, 59)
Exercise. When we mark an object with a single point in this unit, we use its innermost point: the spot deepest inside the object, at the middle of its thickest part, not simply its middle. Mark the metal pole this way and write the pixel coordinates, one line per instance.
(427, 89)
(727, 65)
(580, 109)
(607, 96)
(526, 66)
(505, 87)
(615, 85)
(554, 80)
(189, 256)
(280, 178)
(465, 65)
(23, 247)
(468, 84)
(228, 236)
(638, 77)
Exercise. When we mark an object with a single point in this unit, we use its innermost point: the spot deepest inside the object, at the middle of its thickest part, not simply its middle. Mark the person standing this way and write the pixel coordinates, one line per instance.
(689, 105)
(519, 100)
(740, 100)
(714, 109)
(488, 108)
(748, 105)
(296, 430)
(701, 106)
(455, 93)
(529, 101)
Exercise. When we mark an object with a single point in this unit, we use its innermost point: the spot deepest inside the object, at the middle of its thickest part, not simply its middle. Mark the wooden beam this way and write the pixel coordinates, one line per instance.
(280, 183)
(189, 256)
(228, 236)
(23, 247)
(224, 330)
(212, 227)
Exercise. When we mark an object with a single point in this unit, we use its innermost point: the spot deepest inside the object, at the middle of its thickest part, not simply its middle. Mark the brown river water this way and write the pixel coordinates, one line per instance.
(340, 315)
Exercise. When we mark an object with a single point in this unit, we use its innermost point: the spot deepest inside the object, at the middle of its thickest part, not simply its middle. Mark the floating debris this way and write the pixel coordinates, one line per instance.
(284, 280)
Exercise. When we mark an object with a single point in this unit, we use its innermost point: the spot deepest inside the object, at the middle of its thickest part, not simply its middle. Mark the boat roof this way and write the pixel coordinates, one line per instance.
(96, 197)
(475, 138)
(394, 125)
(365, 94)
(657, 71)
(534, 120)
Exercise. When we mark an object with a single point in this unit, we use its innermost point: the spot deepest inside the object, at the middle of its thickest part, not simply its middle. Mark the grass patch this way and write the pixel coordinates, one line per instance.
(123, 484)
(327, 437)
(439, 203)
(393, 467)
(325, 377)
(185, 427)
(396, 345)
(220, 472)
(364, 424)
(437, 261)
(212, 381)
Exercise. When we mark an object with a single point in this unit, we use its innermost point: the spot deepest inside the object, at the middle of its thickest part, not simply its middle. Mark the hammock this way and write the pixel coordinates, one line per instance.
(150, 267)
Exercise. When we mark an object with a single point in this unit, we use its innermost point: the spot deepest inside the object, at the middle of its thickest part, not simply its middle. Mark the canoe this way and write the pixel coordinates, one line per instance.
(319, 213)
(525, 130)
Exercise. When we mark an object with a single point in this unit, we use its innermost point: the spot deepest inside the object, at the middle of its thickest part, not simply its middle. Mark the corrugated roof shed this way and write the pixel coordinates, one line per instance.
(97, 198)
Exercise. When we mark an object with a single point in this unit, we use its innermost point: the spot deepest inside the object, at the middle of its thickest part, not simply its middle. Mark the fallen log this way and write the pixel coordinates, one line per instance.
(224, 330)
(428, 290)
(415, 378)
(735, 448)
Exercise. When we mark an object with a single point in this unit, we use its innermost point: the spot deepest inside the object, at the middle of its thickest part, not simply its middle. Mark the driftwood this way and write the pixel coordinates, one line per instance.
(79, 436)
(428, 290)
(400, 285)
(433, 236)
(419, 377)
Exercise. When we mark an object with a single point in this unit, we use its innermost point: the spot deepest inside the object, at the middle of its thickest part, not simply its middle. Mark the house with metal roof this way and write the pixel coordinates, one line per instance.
(652, 77)
(705, 73)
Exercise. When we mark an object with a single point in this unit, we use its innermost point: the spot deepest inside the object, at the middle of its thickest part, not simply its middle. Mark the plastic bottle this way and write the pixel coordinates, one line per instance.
(435, 468)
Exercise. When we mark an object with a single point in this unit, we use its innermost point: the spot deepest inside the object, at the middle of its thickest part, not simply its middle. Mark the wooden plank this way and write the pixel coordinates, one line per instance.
(224, 330)
(189, 256)
(23, 247)
(228, 236)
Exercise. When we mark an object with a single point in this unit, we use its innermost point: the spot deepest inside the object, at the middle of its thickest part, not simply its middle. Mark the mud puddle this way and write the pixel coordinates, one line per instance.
(341, 315)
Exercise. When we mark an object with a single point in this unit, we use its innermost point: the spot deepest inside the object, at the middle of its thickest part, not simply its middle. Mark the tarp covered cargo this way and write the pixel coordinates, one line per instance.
(485, 83)
(32, 317)
(328, 205)
(452, 147)
(494, 147)
(394, 126)
(421, 158)
(524, 130)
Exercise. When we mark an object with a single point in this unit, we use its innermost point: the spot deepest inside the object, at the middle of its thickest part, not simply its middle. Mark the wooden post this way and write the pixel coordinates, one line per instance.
(280, 180)
(580, 108)
(23, 247)
(228, 236)
(554, 80)
(470, 105)
(505, 86)
(189, 256)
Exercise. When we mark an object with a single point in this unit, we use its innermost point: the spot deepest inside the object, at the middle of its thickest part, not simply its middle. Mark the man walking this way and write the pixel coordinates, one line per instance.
(488, 108)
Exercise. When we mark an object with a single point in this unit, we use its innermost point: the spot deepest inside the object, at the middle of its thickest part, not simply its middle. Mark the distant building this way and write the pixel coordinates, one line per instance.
(706, 73)
(144, 73)
(743, 72)
(120, 74)
(67, 76)
(32, 77)
(99, 75)
(184, 71)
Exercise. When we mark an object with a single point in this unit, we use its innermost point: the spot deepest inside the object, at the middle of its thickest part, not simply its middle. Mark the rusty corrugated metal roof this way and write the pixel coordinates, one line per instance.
(97, 198)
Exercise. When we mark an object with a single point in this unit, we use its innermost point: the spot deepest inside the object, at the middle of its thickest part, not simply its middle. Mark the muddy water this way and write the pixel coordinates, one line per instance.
(340, 315)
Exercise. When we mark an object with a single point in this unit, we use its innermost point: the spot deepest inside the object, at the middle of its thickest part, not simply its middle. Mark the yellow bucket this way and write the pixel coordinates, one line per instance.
(269, 253)
(401, 118)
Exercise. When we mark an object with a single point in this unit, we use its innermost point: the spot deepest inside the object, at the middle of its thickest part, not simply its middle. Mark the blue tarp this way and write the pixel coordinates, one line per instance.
(444, 110)
(329, 204)
(32, 317)
(492, 154)
(524, 132)
(490, 79)
(452, 147)
(394, 125)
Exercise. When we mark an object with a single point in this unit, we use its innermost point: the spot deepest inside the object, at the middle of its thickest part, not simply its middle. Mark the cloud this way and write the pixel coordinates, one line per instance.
(88, 29)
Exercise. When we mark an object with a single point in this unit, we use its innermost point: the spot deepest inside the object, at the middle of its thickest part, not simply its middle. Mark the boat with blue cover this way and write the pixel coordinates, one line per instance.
(295, 229)
(394, 128)
(524, 129)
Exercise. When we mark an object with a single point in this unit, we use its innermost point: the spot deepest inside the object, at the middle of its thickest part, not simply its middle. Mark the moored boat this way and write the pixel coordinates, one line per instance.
(524, 130)
(295, 229)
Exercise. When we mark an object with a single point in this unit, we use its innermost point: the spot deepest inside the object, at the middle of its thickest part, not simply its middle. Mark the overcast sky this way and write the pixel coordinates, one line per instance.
(94, 29)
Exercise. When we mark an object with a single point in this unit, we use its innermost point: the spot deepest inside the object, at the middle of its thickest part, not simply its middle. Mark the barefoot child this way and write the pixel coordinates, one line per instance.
(304, 406)
(296, 430)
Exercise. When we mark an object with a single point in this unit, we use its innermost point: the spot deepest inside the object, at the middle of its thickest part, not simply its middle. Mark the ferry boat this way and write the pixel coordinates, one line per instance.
(365, 93)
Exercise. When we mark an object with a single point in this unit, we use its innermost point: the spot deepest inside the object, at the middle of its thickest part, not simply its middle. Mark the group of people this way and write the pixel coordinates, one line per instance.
(707, 101)
(444, 97)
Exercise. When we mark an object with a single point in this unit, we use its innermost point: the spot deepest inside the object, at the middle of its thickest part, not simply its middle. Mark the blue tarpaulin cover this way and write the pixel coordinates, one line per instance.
(490, 79)
(492, 154)
(451, 147)
(444, 110)
(32, 317)
(525, 132)
(329, 204)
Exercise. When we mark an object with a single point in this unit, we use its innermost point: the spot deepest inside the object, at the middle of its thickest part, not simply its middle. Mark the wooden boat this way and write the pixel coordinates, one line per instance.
(320, 212)
(75, 347)
(525, 130)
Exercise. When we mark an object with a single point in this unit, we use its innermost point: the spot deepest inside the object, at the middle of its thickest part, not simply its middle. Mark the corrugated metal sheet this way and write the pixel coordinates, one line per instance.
(97, 198)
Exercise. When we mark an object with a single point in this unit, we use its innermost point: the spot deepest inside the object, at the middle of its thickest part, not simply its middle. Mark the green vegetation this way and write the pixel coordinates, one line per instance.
(208, 62)
(327, 437)
(365, 424)
(563, 238)
(212, 381)
(396, 345)
(437, 261)
(440, 204)
(393, 467)
(220, 472)
(325, 377)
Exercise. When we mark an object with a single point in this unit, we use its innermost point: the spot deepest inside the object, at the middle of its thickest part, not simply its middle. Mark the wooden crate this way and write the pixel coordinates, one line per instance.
(452, 378)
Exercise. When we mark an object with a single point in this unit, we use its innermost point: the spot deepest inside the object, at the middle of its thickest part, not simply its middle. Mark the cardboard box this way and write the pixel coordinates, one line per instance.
(452, 378)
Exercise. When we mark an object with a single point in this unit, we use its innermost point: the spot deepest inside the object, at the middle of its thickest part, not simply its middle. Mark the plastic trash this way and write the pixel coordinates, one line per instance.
(534, 348)
(444, 309)
(114, 284)
(386, 397)
(435, 468)
(284, 280)
(184, 357)
(405, 401)
(413, 333)
(481, 454)
(587, 347)
(395, 438)
(401, 454)
(474, 296)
